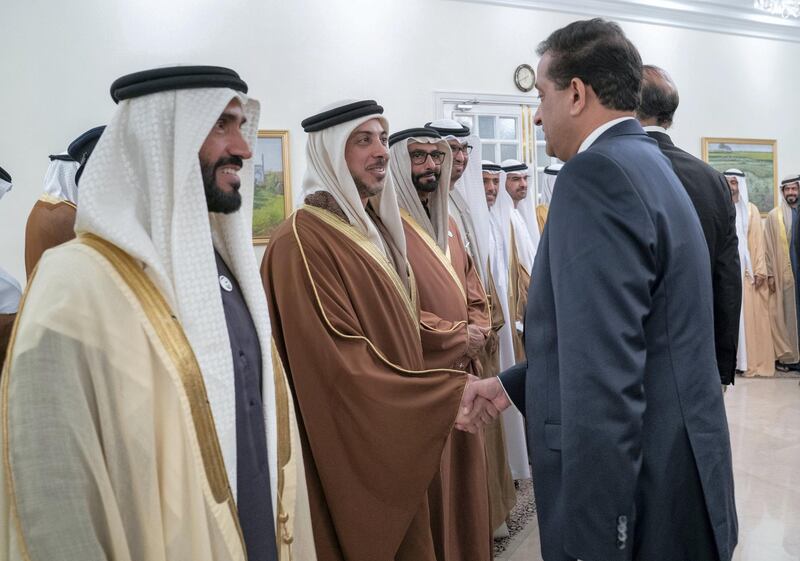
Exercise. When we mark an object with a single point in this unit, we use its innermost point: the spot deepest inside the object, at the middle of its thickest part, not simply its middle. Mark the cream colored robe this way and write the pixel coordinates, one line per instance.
(782, 308)
(760, 351)
(109, 445)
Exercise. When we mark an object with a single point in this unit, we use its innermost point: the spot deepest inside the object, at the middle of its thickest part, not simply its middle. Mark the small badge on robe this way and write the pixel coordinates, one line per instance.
(449, 233)
(225, 283)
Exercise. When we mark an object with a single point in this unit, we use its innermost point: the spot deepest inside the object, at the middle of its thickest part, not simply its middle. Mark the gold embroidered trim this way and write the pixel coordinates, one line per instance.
(171, 334)
(369, 248)
(6, 371)
(50, 199)
(784, 238)
(369, 343)
(513, 280)
(456, 325)
(444, 258)
(287, 481)
(172, 337)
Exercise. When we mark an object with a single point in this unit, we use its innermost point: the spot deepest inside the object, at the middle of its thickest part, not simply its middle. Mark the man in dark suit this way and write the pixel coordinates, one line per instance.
(626, 422)
(711, 198)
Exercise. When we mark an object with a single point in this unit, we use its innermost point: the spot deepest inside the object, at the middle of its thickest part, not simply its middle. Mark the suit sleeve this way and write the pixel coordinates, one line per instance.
(603, 275)
(513, 381)
(727, 286)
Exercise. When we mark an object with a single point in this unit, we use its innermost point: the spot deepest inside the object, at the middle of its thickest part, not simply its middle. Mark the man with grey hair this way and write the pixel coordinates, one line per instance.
(711, 198)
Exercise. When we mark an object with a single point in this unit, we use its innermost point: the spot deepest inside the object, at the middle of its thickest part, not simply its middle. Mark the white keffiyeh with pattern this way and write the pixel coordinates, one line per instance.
(142, 190)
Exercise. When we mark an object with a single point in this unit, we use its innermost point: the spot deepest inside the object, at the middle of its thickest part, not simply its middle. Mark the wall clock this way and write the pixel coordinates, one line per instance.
(524, 77)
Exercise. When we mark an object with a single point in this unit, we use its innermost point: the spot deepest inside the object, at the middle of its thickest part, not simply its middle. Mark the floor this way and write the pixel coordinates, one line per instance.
(764, 419)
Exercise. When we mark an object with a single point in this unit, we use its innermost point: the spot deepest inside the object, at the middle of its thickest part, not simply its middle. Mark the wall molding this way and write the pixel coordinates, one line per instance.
(732, 17)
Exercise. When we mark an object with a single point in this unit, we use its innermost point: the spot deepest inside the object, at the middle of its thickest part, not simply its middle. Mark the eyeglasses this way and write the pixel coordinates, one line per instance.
(466, 149)
(418, 157)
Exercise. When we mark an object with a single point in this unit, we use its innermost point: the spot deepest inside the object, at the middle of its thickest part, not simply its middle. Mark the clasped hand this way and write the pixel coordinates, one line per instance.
(482, 402)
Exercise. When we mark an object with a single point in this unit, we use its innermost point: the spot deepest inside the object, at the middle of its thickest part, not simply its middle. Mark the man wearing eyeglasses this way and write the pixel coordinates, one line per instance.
(454, 326)
(471, 214)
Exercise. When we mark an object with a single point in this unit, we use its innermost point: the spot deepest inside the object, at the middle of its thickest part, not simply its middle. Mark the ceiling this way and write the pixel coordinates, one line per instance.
(737, 17)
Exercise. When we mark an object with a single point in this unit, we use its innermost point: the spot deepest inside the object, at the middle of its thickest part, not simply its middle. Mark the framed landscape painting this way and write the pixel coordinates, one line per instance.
(272, 201)
(758, 159)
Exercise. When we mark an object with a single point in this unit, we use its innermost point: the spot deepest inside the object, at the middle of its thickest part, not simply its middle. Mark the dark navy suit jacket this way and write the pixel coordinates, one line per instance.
(626, 422)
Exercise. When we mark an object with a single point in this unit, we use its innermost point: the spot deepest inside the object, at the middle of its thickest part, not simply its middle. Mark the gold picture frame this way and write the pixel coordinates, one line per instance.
(757, 158)
(272, 196)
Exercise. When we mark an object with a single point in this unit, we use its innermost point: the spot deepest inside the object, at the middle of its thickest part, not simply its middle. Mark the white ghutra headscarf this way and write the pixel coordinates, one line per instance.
(549, 183)
(142, 190)
(467, 199)
(327, 171)
(742, 222)
(523, 218)
(437, 226)
(59, 180)
(745, 265)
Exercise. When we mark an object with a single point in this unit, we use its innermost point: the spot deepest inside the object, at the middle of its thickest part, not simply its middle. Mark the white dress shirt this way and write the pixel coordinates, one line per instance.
(595, 134)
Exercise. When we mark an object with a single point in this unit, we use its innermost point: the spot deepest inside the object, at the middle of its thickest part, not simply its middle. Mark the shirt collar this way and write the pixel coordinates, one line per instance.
(595, 134)
(656, 128)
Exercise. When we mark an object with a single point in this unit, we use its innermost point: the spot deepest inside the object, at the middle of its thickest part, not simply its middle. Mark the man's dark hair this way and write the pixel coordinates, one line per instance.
(599, 53)
(659, 97)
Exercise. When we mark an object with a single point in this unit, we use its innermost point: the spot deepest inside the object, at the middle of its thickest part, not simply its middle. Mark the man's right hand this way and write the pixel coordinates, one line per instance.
(771, 283)
(482, 402)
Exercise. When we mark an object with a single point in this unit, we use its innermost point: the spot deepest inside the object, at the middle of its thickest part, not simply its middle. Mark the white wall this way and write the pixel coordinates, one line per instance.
(58, 60)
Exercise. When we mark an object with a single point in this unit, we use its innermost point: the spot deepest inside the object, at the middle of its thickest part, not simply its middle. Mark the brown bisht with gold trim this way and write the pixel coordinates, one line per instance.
(519, 279)
(50, 223)
(451, 296)
(373, 420)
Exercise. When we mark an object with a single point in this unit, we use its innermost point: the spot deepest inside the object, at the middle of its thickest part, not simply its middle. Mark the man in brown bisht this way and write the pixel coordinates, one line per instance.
(469, 210)
(345, 320)
(52, 218)
(454, 325)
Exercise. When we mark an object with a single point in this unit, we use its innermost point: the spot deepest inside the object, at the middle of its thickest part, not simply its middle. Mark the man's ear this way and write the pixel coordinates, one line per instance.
(578, 93)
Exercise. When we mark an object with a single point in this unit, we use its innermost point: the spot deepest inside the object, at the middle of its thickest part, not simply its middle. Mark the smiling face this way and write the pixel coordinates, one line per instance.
(790, 192)
(460, 159)
(367, 155)
(222, 157)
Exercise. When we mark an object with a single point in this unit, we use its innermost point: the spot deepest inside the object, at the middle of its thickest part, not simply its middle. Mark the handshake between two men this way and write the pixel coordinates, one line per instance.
(482, 402)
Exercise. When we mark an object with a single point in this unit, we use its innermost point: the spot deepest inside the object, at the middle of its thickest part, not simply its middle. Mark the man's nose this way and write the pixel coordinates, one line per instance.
(239, 147)
(381, 151)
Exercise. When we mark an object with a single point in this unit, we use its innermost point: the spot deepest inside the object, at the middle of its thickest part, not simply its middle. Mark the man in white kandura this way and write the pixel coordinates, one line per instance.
(144, 416)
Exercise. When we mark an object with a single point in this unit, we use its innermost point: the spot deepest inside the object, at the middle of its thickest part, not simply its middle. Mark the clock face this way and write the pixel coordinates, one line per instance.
(524, 77)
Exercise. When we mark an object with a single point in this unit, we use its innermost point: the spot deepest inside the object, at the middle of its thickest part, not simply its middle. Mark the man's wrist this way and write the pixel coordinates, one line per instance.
(499, 381)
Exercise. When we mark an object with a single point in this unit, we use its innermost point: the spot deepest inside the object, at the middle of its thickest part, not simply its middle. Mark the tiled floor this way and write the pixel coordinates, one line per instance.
(764, 419)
